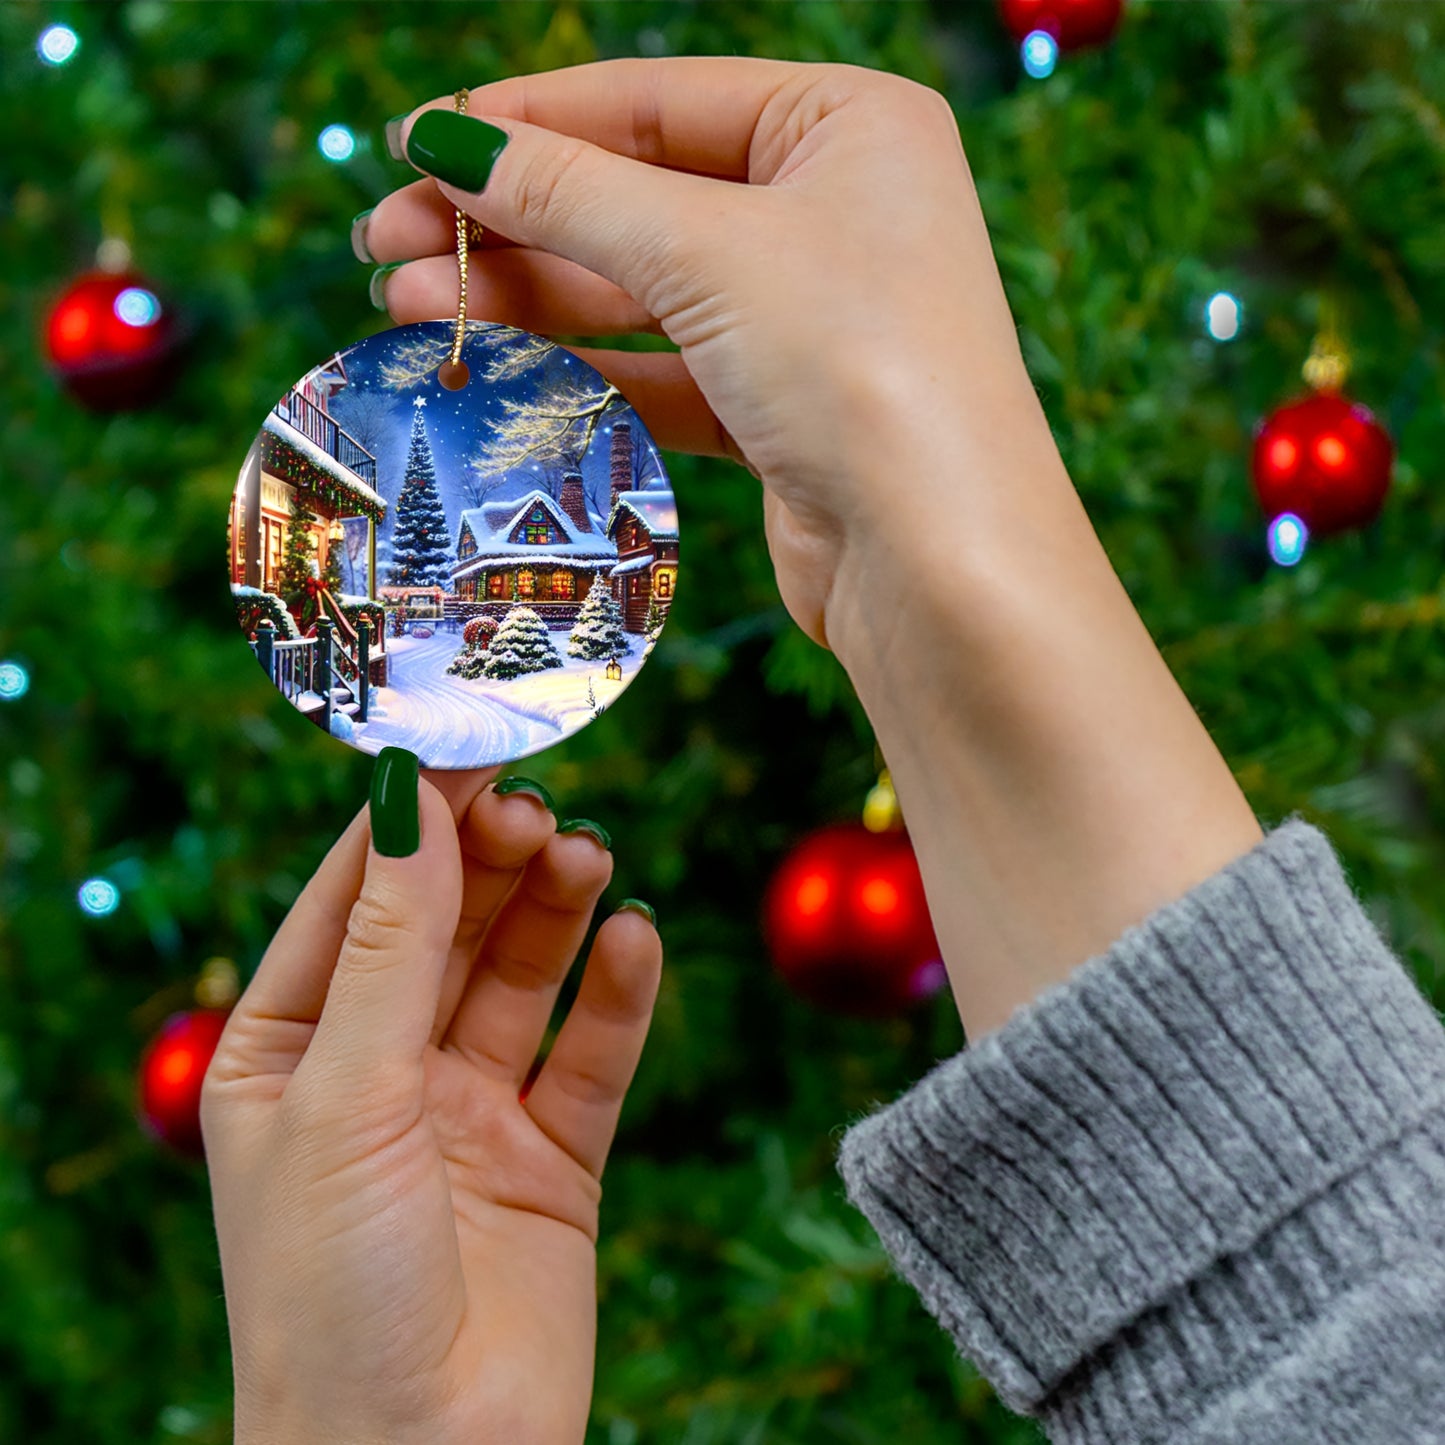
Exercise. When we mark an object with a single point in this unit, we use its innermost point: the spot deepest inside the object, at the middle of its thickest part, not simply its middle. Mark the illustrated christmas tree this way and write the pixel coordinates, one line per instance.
(521, 645)
(421, 549)
(297, 560)
(331, 578)
(598, 631)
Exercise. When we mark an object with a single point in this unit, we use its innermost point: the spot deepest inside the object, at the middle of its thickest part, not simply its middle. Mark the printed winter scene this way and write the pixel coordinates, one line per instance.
(474, 574)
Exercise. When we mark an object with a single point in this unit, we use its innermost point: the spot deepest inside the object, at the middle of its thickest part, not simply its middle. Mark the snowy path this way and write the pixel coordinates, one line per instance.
(443, 721)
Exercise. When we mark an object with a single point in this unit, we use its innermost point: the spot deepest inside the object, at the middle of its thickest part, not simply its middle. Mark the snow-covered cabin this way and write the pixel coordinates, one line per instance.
(643, 525)
(533, 549)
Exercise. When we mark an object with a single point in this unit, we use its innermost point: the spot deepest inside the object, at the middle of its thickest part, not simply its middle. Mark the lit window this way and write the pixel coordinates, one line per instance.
(526, 582)
(497, 584)
(664, 582)
(562, 586)
(538, 534)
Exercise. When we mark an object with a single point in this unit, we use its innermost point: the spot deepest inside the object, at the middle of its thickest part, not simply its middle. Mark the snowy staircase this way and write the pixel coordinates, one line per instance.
(342, 700)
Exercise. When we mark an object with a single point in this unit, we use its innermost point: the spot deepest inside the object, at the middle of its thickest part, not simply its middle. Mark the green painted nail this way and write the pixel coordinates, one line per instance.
(586, 825)
(358, 238)
(455, 148)
(636, 905)
(529, 786)
(377, 289)
(393, 137)
(395, 807)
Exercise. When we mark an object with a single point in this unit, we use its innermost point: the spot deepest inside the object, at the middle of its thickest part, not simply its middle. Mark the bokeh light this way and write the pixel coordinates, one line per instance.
(1223, 316)
(1288, 536)
(57, 44)
(138, 307)
(98, 897)
(336, 143)
(1040, 53)
(14, 681)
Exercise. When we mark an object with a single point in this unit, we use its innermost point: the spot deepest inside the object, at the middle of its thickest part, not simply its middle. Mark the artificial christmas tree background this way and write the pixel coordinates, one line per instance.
(1274, 151)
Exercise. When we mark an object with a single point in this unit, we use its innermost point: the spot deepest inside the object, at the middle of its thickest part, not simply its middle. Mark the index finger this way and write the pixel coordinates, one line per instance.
(688, 112)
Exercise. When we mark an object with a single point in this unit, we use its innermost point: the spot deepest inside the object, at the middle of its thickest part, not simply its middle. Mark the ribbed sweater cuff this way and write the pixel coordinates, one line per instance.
(1232, 1058)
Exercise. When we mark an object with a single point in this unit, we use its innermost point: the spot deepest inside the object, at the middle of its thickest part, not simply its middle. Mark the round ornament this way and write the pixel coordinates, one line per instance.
(172, 1070)
(1325, 459)
(111, 340)
(462, 545)
(847, 923)
(1073, 24)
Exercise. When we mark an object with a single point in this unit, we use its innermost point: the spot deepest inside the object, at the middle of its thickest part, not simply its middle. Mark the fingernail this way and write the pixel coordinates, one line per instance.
(455, 148)
(377, 288)
(393, 137)
(586, 825)
(358, 238)
(636, 905)
(395, 808)
(525, 785)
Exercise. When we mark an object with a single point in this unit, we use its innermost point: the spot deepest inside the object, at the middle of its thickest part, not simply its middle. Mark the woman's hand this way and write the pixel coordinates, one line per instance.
(836, 308)
(407, 1246)
(809, 235)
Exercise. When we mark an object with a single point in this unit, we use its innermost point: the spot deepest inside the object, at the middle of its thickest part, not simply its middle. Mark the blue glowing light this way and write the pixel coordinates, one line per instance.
(14, 681)
(1223, 316)
(98, 897)
(57, 44)
(337, 143)
(138, 307)
(1287, 538)
(1040, 53)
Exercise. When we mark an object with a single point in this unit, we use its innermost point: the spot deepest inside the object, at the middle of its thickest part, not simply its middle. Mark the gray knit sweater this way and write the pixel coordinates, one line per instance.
(1195, 1193)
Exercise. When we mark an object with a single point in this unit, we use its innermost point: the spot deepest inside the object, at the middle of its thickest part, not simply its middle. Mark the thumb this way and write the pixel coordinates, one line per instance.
(623, 219)
(382, 999)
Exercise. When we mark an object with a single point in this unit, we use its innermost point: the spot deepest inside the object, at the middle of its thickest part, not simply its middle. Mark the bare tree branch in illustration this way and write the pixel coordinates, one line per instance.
(416, 361)
(478, 485)
(521, 357)
(554, 429)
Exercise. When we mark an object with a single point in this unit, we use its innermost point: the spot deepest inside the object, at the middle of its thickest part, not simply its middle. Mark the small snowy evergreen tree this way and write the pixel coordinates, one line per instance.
(421, 543)
(598, 631)
(521, 645)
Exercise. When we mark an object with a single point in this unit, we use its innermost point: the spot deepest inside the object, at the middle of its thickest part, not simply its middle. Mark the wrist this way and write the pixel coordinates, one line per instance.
(1057, 783)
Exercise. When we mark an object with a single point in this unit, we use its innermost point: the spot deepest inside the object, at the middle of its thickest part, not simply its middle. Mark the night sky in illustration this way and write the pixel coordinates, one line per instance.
(460, 423)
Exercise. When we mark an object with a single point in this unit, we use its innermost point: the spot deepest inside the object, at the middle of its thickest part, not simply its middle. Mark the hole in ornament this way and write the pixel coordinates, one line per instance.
(453, 375)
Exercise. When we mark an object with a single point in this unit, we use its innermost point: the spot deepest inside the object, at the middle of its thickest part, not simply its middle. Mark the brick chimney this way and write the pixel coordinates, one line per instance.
(573, 502)
(623, 478)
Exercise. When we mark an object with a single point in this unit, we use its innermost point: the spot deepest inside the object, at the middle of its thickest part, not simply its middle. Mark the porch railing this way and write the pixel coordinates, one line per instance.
(328, 434)
(312, 667)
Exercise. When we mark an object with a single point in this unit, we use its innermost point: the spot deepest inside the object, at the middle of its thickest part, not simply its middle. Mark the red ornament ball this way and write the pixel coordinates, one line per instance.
(847, 923)
(111, 341)
(1073, 23)
(1324, 458)
(171, 1072)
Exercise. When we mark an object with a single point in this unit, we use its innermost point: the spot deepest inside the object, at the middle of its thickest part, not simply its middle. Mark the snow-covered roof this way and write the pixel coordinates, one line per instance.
(654, 507)
(534, 557)
(635, 564)
(495, 513)
(323, 461)
(492, 541)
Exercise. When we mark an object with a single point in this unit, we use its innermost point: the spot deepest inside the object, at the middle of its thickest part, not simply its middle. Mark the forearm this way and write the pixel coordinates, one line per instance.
(1056, 782)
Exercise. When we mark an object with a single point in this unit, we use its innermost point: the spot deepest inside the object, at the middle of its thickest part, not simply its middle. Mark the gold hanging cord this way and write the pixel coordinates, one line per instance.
(453, 374)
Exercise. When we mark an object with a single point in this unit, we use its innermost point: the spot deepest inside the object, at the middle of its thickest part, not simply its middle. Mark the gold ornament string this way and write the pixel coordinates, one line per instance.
(453, 373)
